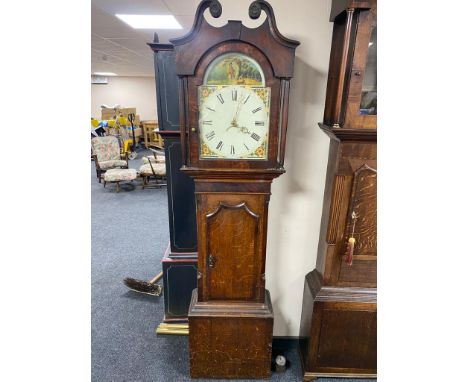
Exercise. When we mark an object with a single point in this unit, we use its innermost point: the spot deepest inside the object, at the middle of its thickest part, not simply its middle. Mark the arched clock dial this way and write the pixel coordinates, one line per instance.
(234, 122)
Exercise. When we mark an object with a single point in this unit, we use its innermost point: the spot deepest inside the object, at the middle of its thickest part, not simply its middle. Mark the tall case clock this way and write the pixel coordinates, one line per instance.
(339, 314)
(179, 263)
(234, 92)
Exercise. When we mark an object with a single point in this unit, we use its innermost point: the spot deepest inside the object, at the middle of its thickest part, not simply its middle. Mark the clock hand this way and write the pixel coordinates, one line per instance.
(236, 114)
(245, 130)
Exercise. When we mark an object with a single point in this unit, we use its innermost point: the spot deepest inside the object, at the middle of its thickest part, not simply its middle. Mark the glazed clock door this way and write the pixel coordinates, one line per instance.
(361, 110)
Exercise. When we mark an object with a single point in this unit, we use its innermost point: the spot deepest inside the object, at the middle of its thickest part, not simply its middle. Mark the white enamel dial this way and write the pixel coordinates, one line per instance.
(234, 122)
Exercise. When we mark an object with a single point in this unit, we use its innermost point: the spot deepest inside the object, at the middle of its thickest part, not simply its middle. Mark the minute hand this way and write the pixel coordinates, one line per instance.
(239, 107)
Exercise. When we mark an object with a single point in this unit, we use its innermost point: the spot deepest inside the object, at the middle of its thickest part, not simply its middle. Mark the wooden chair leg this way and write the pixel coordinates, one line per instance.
(104, 184)
(117, 187)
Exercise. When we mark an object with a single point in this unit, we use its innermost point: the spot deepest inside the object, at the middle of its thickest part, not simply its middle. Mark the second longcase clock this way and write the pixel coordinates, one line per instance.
(339, 313)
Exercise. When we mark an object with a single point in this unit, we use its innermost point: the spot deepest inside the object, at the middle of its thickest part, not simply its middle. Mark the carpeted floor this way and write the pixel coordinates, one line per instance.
(129, 236)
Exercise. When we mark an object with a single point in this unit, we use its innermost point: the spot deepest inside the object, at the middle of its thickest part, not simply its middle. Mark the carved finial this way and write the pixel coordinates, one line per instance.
(255, 10)
(155, 37)
(216, 9)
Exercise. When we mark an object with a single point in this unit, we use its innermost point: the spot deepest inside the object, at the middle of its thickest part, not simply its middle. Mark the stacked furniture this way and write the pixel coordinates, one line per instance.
(339, 313)
(151, 134)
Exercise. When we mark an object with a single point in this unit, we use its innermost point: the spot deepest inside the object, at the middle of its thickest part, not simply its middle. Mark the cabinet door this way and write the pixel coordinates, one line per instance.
(230, 247)
(361, 223)
(353, 207)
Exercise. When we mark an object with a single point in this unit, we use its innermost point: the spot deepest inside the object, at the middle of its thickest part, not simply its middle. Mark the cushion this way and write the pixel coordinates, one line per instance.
(159, 169)
(158, 159)
(120, 174)
(106, 148)
(112, 164)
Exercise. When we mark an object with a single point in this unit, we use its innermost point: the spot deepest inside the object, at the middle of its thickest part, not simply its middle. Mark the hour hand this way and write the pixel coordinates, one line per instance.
(245, 130)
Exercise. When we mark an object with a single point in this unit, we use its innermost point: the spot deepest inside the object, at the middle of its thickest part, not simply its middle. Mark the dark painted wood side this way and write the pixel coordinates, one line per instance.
(167, 93)
(180, 260)
(180, 279)
(181, 198)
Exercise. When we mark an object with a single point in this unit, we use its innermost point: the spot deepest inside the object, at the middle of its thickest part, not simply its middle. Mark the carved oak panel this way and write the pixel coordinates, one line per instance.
(363, 203)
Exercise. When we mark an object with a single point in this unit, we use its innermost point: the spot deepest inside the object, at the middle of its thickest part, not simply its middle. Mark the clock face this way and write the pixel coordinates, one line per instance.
(234, 122)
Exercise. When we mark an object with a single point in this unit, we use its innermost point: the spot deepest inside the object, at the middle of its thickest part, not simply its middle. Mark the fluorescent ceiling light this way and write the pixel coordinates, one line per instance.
(151, 21)
(104, 74)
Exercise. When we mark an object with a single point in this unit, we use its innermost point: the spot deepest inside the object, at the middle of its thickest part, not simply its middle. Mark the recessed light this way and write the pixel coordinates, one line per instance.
(151, 21)
(104, 74)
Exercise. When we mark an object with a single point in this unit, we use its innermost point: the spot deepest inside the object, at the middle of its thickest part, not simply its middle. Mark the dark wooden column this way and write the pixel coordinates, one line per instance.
(180, 259)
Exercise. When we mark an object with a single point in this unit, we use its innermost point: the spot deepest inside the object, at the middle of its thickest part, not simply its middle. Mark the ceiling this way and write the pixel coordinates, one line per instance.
(116, 47)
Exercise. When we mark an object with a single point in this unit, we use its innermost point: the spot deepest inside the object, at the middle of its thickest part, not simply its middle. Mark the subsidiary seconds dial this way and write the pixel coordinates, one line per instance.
(234, 122)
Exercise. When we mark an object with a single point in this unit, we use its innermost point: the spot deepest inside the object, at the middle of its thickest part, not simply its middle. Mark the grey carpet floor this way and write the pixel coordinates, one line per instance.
(129, 236)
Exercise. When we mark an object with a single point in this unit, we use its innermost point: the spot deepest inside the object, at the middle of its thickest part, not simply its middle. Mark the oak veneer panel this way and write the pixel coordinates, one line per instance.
(233, 274)
(230, 340)
(233, 240)
(347, 339)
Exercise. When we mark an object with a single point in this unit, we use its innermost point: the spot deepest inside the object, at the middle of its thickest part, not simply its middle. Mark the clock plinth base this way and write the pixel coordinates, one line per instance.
(230, 339)
(338, 335)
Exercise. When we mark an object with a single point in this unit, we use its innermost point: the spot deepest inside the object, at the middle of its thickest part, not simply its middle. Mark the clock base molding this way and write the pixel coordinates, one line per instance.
(230, 339)
(338, 332)
(313, 376)
(179, 280)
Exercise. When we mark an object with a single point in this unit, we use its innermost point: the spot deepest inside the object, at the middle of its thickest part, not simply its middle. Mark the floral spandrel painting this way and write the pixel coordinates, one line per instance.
(234, 69)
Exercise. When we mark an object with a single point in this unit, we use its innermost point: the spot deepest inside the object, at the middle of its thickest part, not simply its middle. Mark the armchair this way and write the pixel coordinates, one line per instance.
(154, 167)
(107, 155)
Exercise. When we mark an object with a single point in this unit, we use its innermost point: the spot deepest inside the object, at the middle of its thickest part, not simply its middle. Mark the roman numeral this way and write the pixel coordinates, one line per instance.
(255, 136)
(246, 99)
(210, 135)
(259, 123)
(209, 108)
(232, 150)
(234, 95)
(220, 98)
(220, 145)
(257, 109)
(207, 122)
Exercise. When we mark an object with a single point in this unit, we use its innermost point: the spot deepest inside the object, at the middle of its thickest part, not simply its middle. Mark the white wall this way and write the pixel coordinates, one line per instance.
(297, 196)
(139, 92)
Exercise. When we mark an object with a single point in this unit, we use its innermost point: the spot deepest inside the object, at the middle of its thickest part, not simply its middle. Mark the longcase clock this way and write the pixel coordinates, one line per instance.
(179, 263)
(234, 93)
(339, 313)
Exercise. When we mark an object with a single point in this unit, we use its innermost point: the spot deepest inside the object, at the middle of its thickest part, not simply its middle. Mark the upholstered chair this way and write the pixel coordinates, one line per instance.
(107, 154)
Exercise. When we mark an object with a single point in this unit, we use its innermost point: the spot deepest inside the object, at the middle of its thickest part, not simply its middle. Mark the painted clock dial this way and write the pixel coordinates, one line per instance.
(234, 110)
